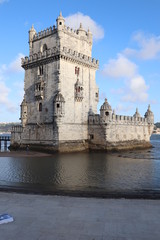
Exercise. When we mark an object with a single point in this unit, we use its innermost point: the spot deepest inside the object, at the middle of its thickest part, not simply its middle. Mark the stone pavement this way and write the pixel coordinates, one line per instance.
(39, 217)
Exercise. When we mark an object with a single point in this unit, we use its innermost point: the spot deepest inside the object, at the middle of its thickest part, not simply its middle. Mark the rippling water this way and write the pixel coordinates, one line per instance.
(137, 170)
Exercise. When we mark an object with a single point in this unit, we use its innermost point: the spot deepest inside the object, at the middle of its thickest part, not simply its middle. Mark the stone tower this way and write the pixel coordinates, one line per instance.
(59, 85)
(59, 109)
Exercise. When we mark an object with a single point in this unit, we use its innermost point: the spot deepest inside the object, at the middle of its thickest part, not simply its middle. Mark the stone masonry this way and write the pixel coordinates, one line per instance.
(59, 109)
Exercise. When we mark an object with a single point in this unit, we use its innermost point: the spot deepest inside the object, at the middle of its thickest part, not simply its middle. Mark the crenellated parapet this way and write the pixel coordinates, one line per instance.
(55, 53)
(117, 120)
(107, 116)
(45, 33)
(72, 32)
(17, 128)
(79, 33)
(69, 54)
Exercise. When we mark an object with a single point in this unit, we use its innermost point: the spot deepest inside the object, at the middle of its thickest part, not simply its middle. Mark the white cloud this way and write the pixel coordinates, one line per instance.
(4, 91)
(119, 67)
(74, 22)
(134, 87)
(121, 108)
(148, 47)
(117, 91)
(6, 71)
(4, 101)
(15, 65)
(20, 88)
(136, 90)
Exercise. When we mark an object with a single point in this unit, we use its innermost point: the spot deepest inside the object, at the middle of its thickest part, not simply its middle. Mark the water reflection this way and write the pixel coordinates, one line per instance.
(131, 170)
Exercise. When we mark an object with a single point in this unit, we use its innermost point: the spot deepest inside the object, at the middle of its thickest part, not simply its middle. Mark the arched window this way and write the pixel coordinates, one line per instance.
(40, 70)
(58, 105)
(40, 107)
(107, 113)
(45, 47)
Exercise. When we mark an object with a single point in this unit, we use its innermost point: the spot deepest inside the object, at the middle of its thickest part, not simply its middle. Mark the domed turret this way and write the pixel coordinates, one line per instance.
(60, 21)
(81, 31)
(32, 33)
(58, 103)
(106, 110)
(149, 115)
(59, 97)
(137, 114)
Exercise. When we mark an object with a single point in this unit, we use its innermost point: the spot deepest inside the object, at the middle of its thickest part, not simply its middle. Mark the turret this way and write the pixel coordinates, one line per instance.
(149, 115)
(60, 22)
(23, 117)
(137, 114)
(106, 110)
(113, 115)
(58, 105)
(32, 33)
(78, 91)
(81, 31)
(90, 37)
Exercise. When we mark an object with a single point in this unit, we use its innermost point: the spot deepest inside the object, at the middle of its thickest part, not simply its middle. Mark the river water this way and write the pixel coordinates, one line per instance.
(127, 173)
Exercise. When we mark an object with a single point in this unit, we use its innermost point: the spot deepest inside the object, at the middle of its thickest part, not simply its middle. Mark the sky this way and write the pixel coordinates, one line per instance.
(126, 41)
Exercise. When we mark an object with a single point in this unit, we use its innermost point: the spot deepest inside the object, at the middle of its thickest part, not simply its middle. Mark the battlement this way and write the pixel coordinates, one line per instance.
(52, 30)
(45, 33)
(117, 119)
(17, 128)
(79, 33)
(64, 53)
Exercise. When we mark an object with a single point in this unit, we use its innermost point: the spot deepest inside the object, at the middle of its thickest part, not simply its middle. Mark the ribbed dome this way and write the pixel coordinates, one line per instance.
(149, 113)
(137, 114)
(59, 98)
(106, 106)
(60, 16)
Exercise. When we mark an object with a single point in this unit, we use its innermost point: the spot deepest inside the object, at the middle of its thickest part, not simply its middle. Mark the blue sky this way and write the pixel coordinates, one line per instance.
(126, 42)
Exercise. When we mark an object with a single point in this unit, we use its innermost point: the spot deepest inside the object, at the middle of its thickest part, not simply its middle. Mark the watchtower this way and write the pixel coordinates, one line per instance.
(60, 87)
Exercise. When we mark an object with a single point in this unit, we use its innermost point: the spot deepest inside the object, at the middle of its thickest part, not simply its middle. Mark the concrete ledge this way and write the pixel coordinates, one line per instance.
(66, 218)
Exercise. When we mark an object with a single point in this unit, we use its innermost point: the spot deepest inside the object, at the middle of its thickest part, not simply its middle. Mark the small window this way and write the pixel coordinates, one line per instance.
(77, 71)
(45, 47)
(96, 95)
(40, 70)
(58, 105)
(60, 23)
(40, 107)
(91, 136)
(107, 113)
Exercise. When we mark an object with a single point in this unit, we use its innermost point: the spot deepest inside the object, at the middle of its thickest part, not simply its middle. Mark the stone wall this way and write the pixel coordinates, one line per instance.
(117, 131)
